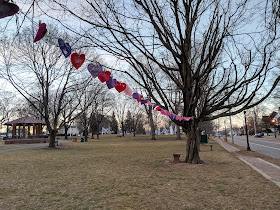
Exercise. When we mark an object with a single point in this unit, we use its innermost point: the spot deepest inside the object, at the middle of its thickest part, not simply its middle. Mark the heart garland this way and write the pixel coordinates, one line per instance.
(7, 9)
(77, 60)
(95, 70)
(65, 48)
(41, 32)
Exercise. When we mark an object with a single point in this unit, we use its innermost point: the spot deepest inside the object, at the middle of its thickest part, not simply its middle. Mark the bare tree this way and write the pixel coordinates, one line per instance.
(7, 107)
(208, 43)
(88, 104)
(102, 104)
(119, 111)
(40, 73)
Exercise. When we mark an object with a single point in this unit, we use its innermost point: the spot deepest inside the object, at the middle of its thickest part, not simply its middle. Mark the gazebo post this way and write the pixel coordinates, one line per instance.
(28, 131)
(34, 130)
(14, 131)
(23, 131)
(18, 131)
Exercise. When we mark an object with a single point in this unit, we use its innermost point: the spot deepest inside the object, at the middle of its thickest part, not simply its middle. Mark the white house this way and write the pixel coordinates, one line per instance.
(72, 131)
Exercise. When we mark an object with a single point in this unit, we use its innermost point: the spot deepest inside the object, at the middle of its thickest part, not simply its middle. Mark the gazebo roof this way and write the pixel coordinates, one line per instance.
(25, 120)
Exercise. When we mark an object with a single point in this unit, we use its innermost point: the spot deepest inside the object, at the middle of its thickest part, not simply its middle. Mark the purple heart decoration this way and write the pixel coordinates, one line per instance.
(144, 101)
(94, 70)
(136, 96)
(7, 9)
(111, 83)
(65, 48)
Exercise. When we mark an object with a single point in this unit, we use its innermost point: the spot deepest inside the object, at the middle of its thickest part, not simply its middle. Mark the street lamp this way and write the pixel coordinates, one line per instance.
(247, 137)
(273, 121)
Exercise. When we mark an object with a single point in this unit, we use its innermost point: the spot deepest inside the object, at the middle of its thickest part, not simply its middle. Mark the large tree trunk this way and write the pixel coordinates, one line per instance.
(192, 148)
(151, 121)
(52, 139)
(178, 133)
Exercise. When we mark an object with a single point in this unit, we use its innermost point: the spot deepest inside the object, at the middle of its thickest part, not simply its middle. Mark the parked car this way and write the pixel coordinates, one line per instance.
(259, 135)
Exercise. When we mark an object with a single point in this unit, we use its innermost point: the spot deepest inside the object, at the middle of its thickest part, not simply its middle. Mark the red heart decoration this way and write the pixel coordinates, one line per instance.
(77, 60)
(138, 100)
(41, 32)
(104, 76)
(120, 86)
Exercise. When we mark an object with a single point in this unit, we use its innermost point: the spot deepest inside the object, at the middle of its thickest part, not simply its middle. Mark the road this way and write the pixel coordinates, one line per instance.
(266, 145)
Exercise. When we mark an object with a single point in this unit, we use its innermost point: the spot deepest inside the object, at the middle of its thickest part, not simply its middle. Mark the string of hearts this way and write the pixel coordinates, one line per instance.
(96, 70)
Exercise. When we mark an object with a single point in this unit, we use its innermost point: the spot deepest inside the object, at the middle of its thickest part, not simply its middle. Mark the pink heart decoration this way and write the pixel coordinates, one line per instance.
(177, 117)
(77, 60)
(94, 70)
(41, 32)
(120, 86)
(149, 103)
(7, 9)
(104, 76)
(163, 112)
(128, 91)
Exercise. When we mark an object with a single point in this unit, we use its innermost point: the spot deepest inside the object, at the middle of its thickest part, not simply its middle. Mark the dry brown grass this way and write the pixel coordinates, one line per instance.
(130, 173)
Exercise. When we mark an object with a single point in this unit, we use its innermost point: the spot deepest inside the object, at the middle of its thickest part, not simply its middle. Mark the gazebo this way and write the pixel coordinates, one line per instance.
(34, 127)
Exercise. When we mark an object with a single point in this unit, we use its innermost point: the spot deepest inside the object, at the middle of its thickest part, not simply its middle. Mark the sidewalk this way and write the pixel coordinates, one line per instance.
(29, 146)
(267, 169)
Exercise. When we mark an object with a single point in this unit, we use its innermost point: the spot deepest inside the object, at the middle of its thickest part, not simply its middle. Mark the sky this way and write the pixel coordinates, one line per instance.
(10, 25)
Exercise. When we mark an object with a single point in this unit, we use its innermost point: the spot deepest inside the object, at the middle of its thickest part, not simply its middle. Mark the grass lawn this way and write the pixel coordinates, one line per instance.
(130, 173)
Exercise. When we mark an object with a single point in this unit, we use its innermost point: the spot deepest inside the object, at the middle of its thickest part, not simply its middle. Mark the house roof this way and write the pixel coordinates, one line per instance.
(25, 120)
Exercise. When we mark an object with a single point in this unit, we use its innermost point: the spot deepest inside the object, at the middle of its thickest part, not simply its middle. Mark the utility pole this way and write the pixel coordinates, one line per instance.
(231, 133)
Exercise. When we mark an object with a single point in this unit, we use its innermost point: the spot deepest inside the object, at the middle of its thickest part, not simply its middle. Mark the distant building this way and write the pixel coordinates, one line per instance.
(106, 131)
(165, 131)
(72, 131)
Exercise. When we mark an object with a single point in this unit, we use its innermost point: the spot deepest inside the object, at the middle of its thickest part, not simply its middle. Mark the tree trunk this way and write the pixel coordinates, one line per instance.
(178, 133)
(97, 133)
(192, 148)
(86, 135)
(122, 129)
(52, 139)
(65, 131)
(151, 121)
